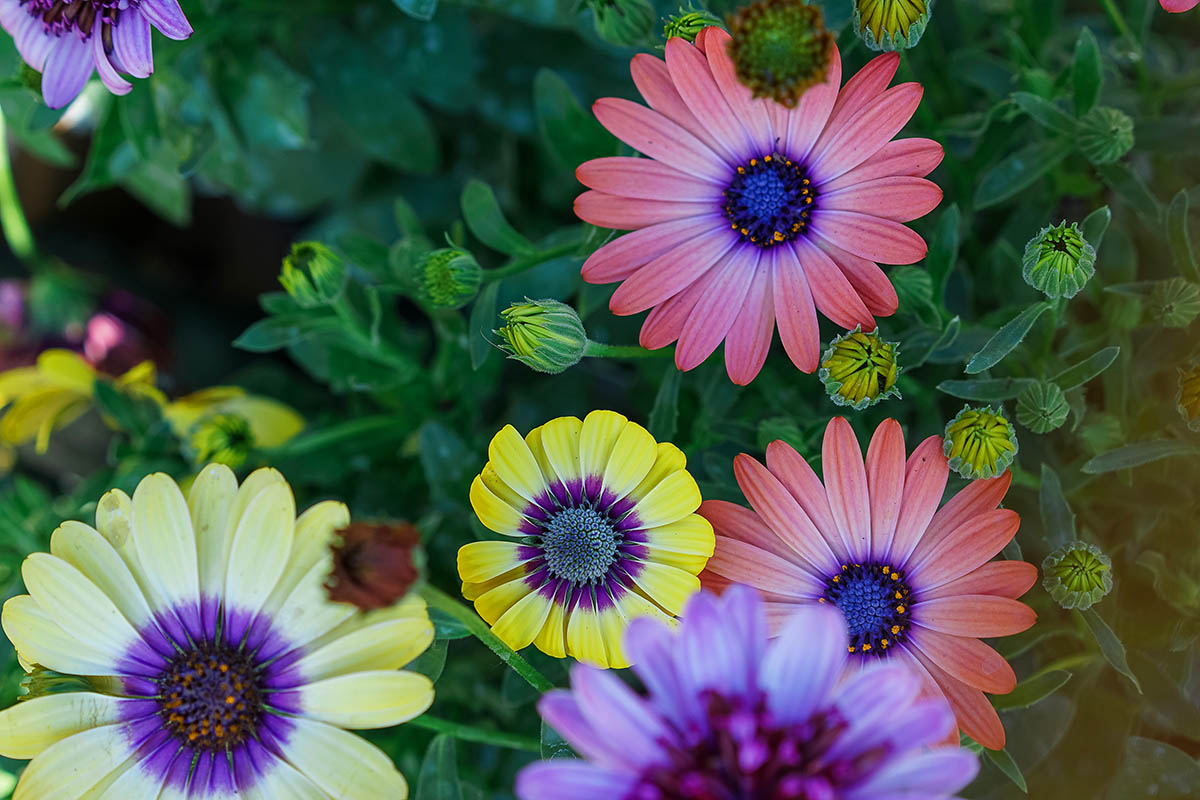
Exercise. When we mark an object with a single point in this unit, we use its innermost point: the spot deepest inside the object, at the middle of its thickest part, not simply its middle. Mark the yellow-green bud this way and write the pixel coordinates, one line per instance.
(687, 24)
(313, 274)
(1175, 302)
(859, 369)
(626, 23)
(221, 438)
(545, 335)
(980, 442)
(447, 278)
(891, 24)
(1042, 407)
(1105, 134)
(1059, 261)
(1189, 396)
(1077, 575)
(780, 48)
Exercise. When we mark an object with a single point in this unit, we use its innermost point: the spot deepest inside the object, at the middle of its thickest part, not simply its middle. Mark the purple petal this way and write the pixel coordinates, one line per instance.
(922, 725)
(871, 696)
(710, 653)
(650, 646)
(68, 68)
(803, 665)
(618, 715)
(131, 45)
(11, 13)
(742, 610)
(561, 712)
(576, 780)
(112, 79)
(935, 773)
(167, 16)
(33, 43)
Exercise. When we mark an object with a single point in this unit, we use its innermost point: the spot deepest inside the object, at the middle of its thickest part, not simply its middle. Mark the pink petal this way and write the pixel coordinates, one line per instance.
(619, 259)
(795, 312)
(658, 137)
(808, 119)
(924, 483)
(976, 615)
(646, 179)
(833, 294)
(798, 477)
(863, 89)
(864, 135)
(653, 80)
(625, 213)
(694, 82)
(671, 272)
(749, 339)
(898, 198)
(1178, 6)
(885, 484)
(1002, 578)
(738, 522)
(975, 499)
(969, 660)
(966, 547)
(872, 238)
(873, 287)
(976, 716)
(783, 514)
(846, 484)
(779, 614)
(779, 578)
(751, 113)
(665, 321)
(910, 157)
(717, 308)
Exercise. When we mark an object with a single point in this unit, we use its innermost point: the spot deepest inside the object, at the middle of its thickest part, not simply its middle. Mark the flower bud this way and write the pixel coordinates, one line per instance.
(545, 335)
(1189, 396)
(980, 442)
(313, 274)
(1042, 407)
(1077, 575)
(687, 24)
(447, 278)
(780, 48)
(1105, 134)
(891, 24)
(222, 438)
(625, 23)
(374, 565)
(1059, 261)
(1175, 302)
(859, 369)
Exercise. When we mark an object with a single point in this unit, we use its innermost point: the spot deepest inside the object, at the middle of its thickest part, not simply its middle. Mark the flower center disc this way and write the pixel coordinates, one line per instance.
(770, 200)
(580, 544)
(210, 697)
(875, 601)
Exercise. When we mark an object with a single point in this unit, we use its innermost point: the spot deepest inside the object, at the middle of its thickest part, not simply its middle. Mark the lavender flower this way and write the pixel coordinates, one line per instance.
(66, 40)
(730, 717)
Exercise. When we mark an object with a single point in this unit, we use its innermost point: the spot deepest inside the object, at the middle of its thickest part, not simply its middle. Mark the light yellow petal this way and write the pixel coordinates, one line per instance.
(596, 440)
(552, 638)
(363, 700)
(262, 542)
(585, 638)
(631, 459)
(482, 561)
(514, 464)
(672, 500)
(668, 586)
(37, 414)
(687, 543)
(307, 612)
(84, 548)
(343, 765)
(669, 459)
(67, 369)
(282, 780)
(492, 604)
(560, 439)
(129, 781)
(114, 518)
(30, 726)
(519, 625)
(69, 768)
(78, 606)
(315, 529)
(271, 421)
(494, 513)
(38, 639)
(387, 644)
(165, 544)
(210, 502)
(16, 382)
(187, 411)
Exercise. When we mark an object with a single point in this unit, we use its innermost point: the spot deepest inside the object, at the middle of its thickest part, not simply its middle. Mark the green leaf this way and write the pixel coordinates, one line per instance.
(1095, 224)
(439, 771)
(1077, 375)
(155, 180)
(1004, 762)
(1006, 339)
(1133, 190)
(1154, 770)
(271, 104)
(132, 413)
(664, 416)
(479, 328)
(1087, 72)
(1110, 645)
(418, 9)
(943, 251)
(1177, 236)
(1030, 691)
(1134, 455)
(446, 626)
(432, 662)
(986, 390)
(285, 330)
(1046, 113)
(1018, 171)
(914, 288)
(483, 216)
(568, 131)
(944, 339)
(554, 745)
(1058, 521)
(97, 173)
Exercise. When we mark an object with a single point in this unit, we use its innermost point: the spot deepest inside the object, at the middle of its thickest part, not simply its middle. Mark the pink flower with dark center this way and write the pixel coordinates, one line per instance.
(747, 214)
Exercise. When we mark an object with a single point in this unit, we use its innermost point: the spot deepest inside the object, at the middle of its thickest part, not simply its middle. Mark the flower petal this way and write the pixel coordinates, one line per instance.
(872, 238)
(779, 578)
(912, 157)
(165, 543)
(673, 271)
(376, 699)
(646, 179)
(694, 81)
(72, 766)
(523, 621)
(168, 17)
(131, 44)
(810, 116)
(675, 496)
(975, 715)
(578, 780)
(651, 133)
(804, 664)
(515, 465)
(665, 321)
(1002, 578)
(31, 726)
(38, 639)
(925, 477)
(667, 586)
(619, 259)
(342, 764)
(717, 308)
(653, 80)
(84, 548)
(210, 501)
(842, 148)
(737, 522)
(831, 291)
(261, 544)
(969, 660)
(389, 643)
(751, 113)
(779, 509)
(749, 338)
(68, 66)
(795, 312)
(482, 561)
(974, 615)
(966, 547)
(802, 482)
(108, 73)
(630, 461)
(885, 484)
(873, 287)
(626, 213)
(846, 484)
(978, 497)
(898, 198)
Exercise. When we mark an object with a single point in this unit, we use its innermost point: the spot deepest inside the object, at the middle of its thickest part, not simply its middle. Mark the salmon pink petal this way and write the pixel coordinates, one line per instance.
(969, 660)
(898, 198)
(658, 137)
(695, 84)
(738, 522)
(665, 321)
(885, 484)
(924, 484)
(863, 89)
(625, 213)
(645, 178)
(653, 80)
(796, 313)
(749, 340)
(717, 308)
(783, 514)
(752, 114)
(978, 497)
(975, 615)
(873, 287)
(832, 293)
(806, 121)
(846, 484)
(781, 578)
(1001, 578)
(865, 134)
(671, 273)
(619, 259)
(798, 477)
(914, 158)
(976, 716)
(1178, 6)
(872, 238)
(966, 547)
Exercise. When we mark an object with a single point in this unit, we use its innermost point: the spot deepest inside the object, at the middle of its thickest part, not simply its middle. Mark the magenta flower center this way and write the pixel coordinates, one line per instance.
(211, 697)
(875, 601)
(770, 200)
(64, 16)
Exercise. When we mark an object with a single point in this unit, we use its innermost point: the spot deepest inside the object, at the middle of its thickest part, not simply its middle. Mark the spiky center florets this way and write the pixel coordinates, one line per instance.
(875, 600)
(580, 544)
(63, 16)
(743, 753)
(770, 200)
(780, 48)
(210, 697)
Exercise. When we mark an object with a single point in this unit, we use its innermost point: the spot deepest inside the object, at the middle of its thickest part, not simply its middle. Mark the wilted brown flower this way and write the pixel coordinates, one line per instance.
(374, 564)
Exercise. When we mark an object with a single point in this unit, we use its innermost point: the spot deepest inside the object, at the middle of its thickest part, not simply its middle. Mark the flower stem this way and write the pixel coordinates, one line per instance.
(12, 216)
(443, 602)
(469, 733)
(600, 350)
(519, 265)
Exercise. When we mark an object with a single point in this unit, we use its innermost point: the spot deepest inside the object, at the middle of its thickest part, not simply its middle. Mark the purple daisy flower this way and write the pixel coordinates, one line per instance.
(730, 717)
(66, 40)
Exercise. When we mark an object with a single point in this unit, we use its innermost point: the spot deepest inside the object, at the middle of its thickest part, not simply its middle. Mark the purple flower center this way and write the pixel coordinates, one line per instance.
(211, 696)
(875, 601)
(63, 16)
(580, 544)
(770, 200)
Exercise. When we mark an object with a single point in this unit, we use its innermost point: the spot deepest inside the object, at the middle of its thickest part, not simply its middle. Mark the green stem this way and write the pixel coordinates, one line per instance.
(469, 733)
(600, 350)
(519, 265)
(12, 216)
(1118, 20)
(443, 602)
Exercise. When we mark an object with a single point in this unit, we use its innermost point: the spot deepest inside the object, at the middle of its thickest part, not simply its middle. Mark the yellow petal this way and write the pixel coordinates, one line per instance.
(271, 421)
(492, 604)
(210, 500)
(676, 496)
(668, 586)
(612, 631)
(67, 369)
(482, 561)
(596, 440)
(261, 545)
(163, 539)
(552, 638)
(521, 624)
(385, 644)
(114, 518)
(342, 764)
(632, 457)
(687, 543)
(37, 414)
(38, 639)
(84, 548)
(69, 768)
(560, 438)
(669, 459)
(514, 464)
(362, 700)
(493, 512)
(585, 639)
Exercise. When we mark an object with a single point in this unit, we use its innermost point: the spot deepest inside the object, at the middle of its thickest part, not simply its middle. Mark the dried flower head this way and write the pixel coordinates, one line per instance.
(374, 564)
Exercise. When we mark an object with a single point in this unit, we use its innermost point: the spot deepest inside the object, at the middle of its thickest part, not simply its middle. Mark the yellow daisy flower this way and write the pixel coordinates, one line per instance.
(607, 529)
(55, 392)
(224, 423)
(218, 666)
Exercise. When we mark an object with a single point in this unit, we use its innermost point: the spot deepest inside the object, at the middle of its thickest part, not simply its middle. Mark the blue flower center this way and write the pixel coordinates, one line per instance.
(875, 601)
(579, 544)
(210, 697)
(770, 200)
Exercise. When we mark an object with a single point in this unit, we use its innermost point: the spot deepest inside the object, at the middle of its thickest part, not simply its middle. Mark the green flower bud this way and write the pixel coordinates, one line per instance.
(891, 24)
(313, 274)
(1105, 134)
(1175, 302)
(1077, 575)
(780, 48)
(447, 278)
(1121, 311)
(980, 442)
(626, 23)
(1189, 396)
(545, 335)
(222, 438)
(859, 369)
(688, 23)
(1059, 261)
(1042, 407)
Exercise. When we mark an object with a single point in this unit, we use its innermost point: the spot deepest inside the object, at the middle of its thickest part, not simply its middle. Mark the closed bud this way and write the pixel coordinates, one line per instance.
(1077, 575)
(687, 24)
(1059, 261)
(1042, 407)
(1175, 302)
(626, 23)
(891, 24)
(1105, 134)
(859, 369)
(374, 564)
(313, 274)
(980, 442)
(545, 335)
(447, 278)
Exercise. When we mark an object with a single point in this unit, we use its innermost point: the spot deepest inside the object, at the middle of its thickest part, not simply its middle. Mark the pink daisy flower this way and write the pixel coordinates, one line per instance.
(1178, 6)
(915, 582)
(746, 213)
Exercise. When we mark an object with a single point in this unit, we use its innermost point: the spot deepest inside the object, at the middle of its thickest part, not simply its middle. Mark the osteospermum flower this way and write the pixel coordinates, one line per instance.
(68, 40)
(605, 518)
(915, 583)
(746, 213)
(225, 424)
(980, 442)
(219, 668)
(730, 716)
(859, 369)
(1178, 6)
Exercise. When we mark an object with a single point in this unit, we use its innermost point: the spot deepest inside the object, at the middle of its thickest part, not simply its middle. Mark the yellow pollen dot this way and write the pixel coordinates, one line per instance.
(778, 236)
(741, 170)
(899, 609)
(851, 648)
(899, 595)
(895, 576)
(886, 569)
(230, 699)
(754, 162)
(765, 158)
(866, 647)
(895, 629)
(883, 643)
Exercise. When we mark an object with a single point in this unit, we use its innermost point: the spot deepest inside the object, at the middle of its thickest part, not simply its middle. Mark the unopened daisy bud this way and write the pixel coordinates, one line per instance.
(1174, 303)
(1077, 575)
(687, 24)
(1042, 407)
(859, 369)
(1105, 134)
(222, 438)
(980, 442)
(891, 24)
(447, 278)
(1121, 311)
(780, 48)
(626, 23)
(1059, 261)
(545, 335)
(374, 564)
(313, 274)
(1189, 396)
